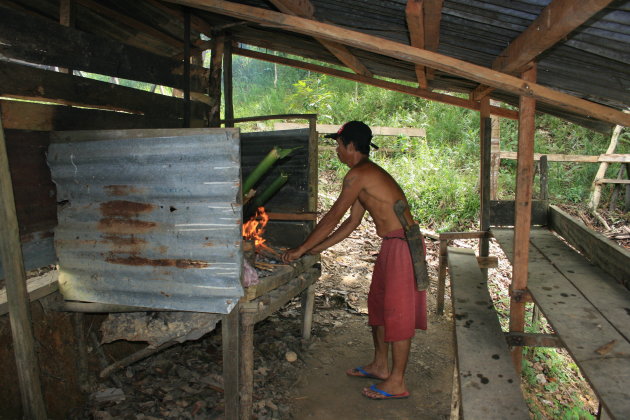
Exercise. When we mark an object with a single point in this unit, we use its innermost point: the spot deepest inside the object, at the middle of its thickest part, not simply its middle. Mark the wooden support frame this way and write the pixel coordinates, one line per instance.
(485, 132)
(523, 210)
(396, 87)
(410, 54)
(214, 83)
(228, 84)
(414, 14)
(17, 297)
(305, 9)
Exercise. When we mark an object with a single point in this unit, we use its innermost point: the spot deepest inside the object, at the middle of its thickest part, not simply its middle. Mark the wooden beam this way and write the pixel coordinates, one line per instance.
(17, 296)
(30, 116)
(523, 209)
(305, 9)
(228, 84)
(102, 10)
(197, 23)
(24, 38)
(414, 15)
(480, 92)
(396, 87)
(33, 84)
(408, 53)
(376, 131)
(432, 19)
(214, 84)
(555, 22)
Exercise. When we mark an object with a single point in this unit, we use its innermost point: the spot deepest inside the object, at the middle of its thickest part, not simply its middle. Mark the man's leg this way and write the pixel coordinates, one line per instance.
(379, 366)
(395, 383)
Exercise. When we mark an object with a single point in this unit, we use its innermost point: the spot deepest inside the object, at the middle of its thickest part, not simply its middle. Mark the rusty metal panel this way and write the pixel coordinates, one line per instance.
(149, 218)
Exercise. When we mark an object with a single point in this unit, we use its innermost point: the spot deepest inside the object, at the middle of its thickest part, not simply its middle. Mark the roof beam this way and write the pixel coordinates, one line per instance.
(432, 18)
(415, 24)
(396, 87)
(129, 21)
(414, 55)
(305, 9)
(555, 22)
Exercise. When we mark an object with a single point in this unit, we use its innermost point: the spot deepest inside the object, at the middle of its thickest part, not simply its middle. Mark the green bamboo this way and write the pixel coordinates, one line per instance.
(275, 154)
(271, 189)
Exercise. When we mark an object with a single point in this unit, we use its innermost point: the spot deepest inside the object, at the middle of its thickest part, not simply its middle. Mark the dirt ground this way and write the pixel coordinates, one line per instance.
(324, 391)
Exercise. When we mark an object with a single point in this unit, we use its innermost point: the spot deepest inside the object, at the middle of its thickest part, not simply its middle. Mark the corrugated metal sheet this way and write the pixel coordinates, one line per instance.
(152, 218)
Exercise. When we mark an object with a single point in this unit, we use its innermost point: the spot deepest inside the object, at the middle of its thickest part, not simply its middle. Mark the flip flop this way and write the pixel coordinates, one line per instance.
(363, 374)
(386, 395)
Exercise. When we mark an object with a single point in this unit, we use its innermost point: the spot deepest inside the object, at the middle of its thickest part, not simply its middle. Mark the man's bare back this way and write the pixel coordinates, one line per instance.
(378, 194)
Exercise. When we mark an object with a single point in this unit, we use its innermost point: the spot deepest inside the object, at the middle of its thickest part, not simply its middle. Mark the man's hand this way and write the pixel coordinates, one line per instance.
(292, 255)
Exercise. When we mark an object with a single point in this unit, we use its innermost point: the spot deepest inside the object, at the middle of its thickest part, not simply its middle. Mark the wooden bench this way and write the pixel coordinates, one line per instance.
(489, 387)
(587, 308)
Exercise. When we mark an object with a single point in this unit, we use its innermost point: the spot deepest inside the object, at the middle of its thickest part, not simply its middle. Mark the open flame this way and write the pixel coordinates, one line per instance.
(255, 227)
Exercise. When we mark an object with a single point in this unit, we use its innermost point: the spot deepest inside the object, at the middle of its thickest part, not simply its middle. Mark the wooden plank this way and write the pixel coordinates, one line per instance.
(600, 250)
(602, 290)
(230, 328)
(612, 181)
(502, 212)
(30, 83)
(305, 9)
(449, 236)
(131, 22)
(30, 116)
(554, 23)
(292, 216)
(432, 19)
(581, 327)
(26, 38)
(396, 87)
(553, 157)
(408, 53)
(489, 385)
(376, 131)
(414, 15)
(615, 158)
(17, 297)
(279, 277)
(36, 287)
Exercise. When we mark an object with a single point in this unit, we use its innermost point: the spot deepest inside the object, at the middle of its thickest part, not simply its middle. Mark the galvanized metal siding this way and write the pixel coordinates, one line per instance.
(152, 218)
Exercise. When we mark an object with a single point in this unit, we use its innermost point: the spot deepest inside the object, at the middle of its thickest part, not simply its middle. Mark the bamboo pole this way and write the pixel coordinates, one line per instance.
(17, 296)
(523, 210)
(601, 173)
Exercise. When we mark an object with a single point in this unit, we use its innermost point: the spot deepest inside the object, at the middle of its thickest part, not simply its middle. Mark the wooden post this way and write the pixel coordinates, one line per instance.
(247, 362)
(231, 363)
(485, 132)
(187, 68)
(441, 276)
(228, 81)
(214, 84)
(626, 205)
(308, 303)
(67, 17)
(544, 178)
(17, 297)
(522, 209)
(495, 151)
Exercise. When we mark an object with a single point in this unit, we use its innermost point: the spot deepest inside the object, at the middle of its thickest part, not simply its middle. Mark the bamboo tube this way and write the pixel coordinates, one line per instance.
(275, 154)
(271, 189)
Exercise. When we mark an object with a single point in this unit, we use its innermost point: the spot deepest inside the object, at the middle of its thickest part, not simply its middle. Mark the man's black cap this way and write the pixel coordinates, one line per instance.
(354, 131)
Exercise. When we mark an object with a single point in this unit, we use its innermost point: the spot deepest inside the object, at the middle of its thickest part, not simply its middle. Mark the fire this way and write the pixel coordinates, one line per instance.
(255, 227)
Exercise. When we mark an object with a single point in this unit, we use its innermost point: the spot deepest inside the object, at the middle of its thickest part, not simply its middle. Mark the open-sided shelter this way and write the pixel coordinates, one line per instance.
(567, 58)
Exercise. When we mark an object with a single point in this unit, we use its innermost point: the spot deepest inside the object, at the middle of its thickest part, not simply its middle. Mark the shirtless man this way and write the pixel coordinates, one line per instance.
(395, 307)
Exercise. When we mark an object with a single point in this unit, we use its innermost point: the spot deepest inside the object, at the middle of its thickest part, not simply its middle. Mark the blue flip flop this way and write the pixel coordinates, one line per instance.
(386, 395)
(363, 374)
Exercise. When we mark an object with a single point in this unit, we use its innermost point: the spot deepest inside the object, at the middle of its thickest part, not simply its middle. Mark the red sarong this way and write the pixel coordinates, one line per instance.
(393, 301)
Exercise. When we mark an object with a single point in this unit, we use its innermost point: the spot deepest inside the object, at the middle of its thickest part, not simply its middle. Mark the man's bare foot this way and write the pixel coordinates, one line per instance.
(362, 372)
(376, 393)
